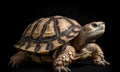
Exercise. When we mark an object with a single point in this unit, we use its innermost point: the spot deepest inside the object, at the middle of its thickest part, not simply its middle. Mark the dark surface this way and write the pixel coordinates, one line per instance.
(16, 15)
(83, 66)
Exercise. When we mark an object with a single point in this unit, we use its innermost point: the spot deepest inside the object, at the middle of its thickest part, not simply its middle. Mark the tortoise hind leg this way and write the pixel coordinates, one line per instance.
(96, 53)
(64, 59)
(18, 58)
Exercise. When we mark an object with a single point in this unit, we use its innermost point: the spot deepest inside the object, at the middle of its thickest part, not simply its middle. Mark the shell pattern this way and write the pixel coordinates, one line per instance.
(48, 34)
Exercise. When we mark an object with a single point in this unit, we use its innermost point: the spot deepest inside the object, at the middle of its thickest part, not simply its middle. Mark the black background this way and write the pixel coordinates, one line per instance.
(16, 15)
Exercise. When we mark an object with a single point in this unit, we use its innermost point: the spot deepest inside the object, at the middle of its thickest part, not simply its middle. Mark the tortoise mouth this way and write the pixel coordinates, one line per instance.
(96, 32)
(94, 35)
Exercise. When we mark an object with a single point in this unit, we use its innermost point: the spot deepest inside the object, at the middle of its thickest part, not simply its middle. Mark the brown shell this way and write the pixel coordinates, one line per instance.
(47, 34)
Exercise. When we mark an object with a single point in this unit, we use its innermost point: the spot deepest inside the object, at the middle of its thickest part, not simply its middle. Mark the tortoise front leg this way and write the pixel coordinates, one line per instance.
(96, 53)
(64, 59)
(18, 58)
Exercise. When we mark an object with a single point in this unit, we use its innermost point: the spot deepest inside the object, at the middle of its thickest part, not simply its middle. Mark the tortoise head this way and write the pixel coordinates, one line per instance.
(94, 30)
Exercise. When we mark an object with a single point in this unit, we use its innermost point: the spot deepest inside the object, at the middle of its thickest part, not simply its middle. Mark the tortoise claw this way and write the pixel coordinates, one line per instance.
(68, 69)
(106, 63)
(9, 62)
(102, 63)
(62, 69)
(13, 64)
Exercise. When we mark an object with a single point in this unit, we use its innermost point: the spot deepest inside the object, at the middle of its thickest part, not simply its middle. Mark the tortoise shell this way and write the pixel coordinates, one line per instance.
(48, 34)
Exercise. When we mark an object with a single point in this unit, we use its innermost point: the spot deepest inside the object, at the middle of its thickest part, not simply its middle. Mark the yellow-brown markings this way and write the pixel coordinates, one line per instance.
(73, 34)
(28, 33)
(76, 29)
(56, 44)
(65, 38)
(42, 48)
(32, 48)
(28, 27)
(17, 46)
(74, 22)
(63, 25)
(23, 47)
(49, 30)
(37, 31)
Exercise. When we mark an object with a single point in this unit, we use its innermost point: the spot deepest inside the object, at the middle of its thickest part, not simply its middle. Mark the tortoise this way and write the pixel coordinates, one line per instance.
(60, 40)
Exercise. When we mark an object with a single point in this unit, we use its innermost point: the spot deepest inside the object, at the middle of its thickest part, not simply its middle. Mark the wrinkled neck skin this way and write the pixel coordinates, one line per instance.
(80, 41)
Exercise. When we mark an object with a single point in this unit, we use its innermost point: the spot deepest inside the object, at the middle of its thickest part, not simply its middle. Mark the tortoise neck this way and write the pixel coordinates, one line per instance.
(80, 41)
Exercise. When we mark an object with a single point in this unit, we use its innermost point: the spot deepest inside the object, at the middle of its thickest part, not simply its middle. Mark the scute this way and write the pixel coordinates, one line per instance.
(48, 34)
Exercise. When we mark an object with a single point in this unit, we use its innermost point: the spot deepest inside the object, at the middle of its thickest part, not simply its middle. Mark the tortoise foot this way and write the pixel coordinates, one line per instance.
(100, 62)
(18, 58)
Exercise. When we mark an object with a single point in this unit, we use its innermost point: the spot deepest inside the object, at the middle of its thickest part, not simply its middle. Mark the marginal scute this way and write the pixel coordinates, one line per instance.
(56, 44)
(32, 48)
(23, 47)
(65, 38)
(72, 34)
(42, 47)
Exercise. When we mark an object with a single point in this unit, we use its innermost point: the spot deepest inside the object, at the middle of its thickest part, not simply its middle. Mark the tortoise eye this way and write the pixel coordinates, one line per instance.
(94, 25)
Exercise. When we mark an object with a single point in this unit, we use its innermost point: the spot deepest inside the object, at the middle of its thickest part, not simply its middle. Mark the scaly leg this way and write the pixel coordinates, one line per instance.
(64, 59)
(18, 58)
(96, 54)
